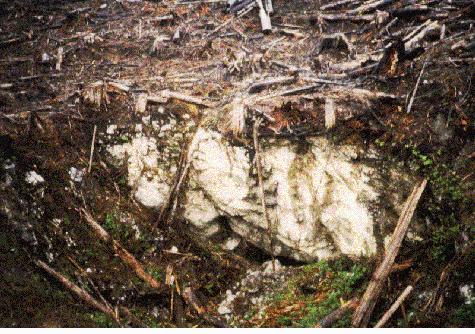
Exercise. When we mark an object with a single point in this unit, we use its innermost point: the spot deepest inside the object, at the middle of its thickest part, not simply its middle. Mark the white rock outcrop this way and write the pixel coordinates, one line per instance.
(318, 199)
(145, 176)
(323, 199)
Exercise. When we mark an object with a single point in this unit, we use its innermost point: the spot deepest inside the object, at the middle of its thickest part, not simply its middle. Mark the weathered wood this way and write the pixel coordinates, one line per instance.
(363, 313)
(186, 98)
(415, 41)
(349, 17)
(266, 24)
(369, 6)
(258, 86)
(330, 117)
(336, 4)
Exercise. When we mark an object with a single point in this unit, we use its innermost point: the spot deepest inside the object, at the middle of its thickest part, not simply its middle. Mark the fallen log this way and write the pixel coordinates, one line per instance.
(363, 313)
(336, 315)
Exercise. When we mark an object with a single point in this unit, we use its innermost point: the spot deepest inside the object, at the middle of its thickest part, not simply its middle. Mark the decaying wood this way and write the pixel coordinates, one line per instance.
(124, 255)
(394, 307)
(363, 313)
(336, 4)
(236, 112)
(118, 86)
(369, 5)
(333, 41)
(80, 293)
(144, 99)
(336, 315)
(397, 267)
(186, 98)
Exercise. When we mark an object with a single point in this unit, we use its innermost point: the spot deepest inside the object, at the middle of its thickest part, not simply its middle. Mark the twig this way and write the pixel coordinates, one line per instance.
(394, 307)
(92, 149)
(81, 293)
(411, 101)
(126, 257)
(261, 188)
(293, 91)
(85, 274)
(168, 209)
(368, 301)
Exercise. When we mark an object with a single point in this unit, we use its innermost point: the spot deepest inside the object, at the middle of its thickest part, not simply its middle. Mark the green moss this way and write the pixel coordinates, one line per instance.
(284, 321)
(464, 316)
(340, 283)
(110, 222)
(444, 200)
(156, 273)
(124, 139)
(101, 320)
(334, 281)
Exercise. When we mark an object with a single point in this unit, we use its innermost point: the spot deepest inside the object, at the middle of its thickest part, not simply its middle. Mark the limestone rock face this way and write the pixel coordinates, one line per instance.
(324, 199)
